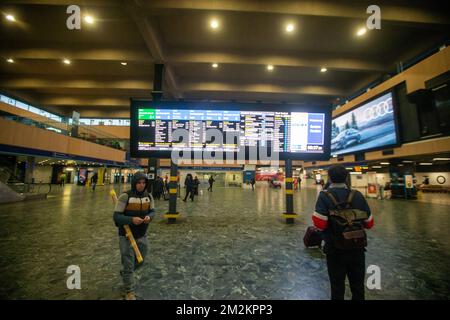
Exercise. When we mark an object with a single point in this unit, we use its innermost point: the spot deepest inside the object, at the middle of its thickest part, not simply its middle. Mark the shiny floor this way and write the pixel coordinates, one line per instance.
(229, 244)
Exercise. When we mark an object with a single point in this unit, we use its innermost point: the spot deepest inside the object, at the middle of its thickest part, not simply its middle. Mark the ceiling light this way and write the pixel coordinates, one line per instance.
(10, 17)
(10, 60)
(123, 63)
(66, 61)
(376, 167)
(89, 19)
(215, 65)
(361, 32)
(425, 164)
(214, 24)
(355, 172)
(441, 159)
(400, 165)
(270, 67)
(323, 70)
(407, 161)
(385, 163)
(290, 27)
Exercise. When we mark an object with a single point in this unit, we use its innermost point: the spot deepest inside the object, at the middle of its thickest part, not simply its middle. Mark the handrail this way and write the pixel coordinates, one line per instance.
(30, 187)
(84, 132)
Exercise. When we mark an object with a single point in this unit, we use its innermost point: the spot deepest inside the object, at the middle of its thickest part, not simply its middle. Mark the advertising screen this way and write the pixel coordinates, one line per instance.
(367, 127)
(159, 128)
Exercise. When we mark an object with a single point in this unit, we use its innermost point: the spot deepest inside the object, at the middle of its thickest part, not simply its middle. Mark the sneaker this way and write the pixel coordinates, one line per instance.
(130, 296)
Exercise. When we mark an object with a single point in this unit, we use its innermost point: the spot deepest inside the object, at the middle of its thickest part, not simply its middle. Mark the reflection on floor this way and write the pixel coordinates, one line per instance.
(230, 244)
(437, 198)
(426, 197)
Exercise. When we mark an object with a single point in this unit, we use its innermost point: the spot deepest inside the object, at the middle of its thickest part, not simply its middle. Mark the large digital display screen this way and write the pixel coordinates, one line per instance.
(155, 128)
(367, 127)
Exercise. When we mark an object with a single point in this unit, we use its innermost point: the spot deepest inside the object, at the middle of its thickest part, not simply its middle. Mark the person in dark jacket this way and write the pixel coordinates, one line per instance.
(189, 185)
(341, 263)
(166, 183)
(158, 187)
(94, 180)
(136, 209)
(196, 185)
(252, 182)
(211, 182)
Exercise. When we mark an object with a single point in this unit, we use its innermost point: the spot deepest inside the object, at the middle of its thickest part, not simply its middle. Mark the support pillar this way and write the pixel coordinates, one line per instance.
(172, 215)
(289, 215)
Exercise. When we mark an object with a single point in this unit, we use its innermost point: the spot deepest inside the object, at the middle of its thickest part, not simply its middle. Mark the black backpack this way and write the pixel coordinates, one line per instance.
(347, 224)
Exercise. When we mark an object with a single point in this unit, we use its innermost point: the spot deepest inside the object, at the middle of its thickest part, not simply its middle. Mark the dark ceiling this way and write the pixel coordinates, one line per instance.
(250, 36)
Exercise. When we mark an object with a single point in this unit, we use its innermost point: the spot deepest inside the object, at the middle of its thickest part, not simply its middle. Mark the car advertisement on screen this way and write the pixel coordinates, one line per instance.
(369, 126)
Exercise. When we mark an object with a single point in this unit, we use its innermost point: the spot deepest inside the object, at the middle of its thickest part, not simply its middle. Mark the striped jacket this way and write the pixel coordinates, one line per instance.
(130, 205)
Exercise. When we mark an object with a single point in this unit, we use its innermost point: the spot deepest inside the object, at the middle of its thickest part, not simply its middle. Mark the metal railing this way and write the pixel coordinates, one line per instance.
(85, 132)
(33, 188)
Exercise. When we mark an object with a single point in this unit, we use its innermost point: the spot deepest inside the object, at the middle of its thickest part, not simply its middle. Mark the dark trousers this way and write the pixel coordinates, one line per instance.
(210, 187)
(191, 193)
(346, 264)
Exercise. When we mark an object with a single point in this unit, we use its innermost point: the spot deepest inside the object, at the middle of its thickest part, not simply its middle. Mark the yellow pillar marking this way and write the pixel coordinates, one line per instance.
(288, 216)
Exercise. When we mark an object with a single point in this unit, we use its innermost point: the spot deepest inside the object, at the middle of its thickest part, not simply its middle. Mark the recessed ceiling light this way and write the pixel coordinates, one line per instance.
(425, 164)
(323, 70)
(10, 60)
(290, 27)
(66, 61)
(215, 65)
(376, 167)
(407, 161)
(10, 17)
(270, 67)
(123, 63)
(362, 31)
(384, 163)
(214, 24)
(441, 159)
(89, 19)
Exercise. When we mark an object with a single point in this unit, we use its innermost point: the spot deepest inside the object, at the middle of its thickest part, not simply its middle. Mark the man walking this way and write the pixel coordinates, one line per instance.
(136, 209)
(211, 182)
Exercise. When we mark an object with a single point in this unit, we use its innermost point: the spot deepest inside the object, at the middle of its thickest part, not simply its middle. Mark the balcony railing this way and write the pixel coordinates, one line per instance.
(81, 131)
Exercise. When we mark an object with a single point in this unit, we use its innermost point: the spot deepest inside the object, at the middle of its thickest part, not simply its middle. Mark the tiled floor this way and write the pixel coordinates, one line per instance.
(230, 244)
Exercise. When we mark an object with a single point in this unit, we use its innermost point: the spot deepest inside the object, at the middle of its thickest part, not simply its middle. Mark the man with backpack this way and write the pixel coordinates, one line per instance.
(343, 214)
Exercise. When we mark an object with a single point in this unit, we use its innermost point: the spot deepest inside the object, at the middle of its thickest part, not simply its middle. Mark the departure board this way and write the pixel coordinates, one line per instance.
(280, 131)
